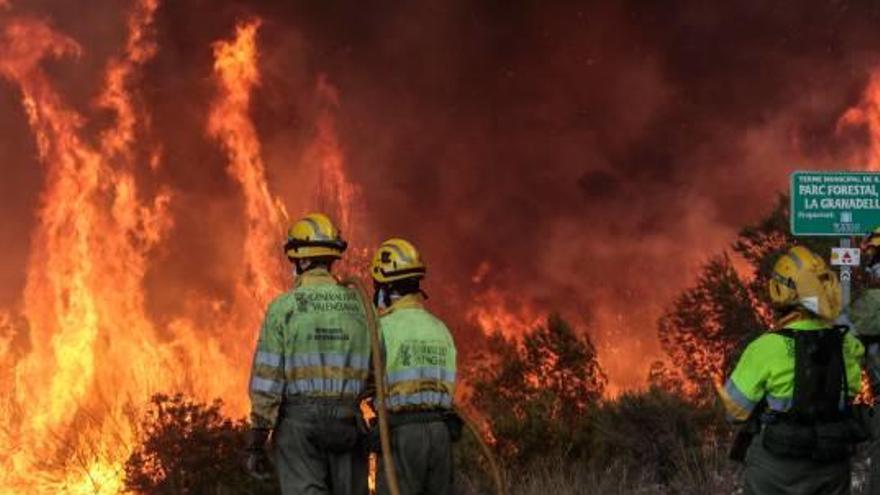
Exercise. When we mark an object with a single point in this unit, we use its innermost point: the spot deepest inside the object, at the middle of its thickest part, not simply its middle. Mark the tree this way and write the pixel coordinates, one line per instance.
(710, 322)
(189, 448)
(536, 390)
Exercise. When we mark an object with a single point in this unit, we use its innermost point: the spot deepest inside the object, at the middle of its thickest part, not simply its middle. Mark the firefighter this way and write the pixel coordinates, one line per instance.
(865, 317)
(865, 311)
(796, 384)
(420, 358)
(311, 364)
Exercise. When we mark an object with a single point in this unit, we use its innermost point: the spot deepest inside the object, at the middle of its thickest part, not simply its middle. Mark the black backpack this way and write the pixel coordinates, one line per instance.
(820, 382)
(820, 423)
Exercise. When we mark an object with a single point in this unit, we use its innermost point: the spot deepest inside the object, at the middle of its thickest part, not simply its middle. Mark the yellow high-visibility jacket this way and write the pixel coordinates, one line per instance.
(766, 370)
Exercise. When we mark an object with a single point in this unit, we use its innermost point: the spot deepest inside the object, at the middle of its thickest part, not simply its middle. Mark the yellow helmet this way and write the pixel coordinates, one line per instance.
(871, 248)
(314, 236)
(396, 259)
(801, 278)
(873, 238)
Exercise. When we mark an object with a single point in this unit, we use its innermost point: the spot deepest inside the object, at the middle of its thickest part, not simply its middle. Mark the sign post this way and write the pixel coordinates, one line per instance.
(841, 204)
(845, 277)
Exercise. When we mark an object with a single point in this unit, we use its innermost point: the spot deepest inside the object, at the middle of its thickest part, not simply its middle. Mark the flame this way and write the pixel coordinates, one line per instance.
(84, 278)
(497, 311)
(95, 353)
(82, 355)
(237, 73)
(335, 193)
(867, 114)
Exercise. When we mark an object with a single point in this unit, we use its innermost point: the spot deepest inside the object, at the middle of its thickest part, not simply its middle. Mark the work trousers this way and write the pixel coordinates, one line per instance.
(422, 458)
(769, 474)
(874, 453)
(304, 466)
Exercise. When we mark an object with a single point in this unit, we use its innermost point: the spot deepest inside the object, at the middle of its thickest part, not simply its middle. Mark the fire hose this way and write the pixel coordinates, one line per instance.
(500, 488)
(379, 373)
(382, 411)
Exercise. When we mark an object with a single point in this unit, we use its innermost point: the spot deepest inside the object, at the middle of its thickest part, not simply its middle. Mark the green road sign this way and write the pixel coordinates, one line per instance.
(834, 203)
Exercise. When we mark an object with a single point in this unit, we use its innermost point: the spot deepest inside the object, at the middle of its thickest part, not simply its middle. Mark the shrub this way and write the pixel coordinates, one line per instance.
(655, 433)
(535, 392)
(189, 448)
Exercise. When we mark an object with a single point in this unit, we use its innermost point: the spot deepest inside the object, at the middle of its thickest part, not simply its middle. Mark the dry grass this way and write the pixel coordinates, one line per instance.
(710, 472)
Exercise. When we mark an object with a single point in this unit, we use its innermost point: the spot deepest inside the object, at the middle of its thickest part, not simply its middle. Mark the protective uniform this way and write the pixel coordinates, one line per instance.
(865, 317)
(420, 357)
(311, 363)
(796, 384)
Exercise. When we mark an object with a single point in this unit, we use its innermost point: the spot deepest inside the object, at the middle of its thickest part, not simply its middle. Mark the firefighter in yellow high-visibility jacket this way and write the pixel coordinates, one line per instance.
(796, 384)
(865, 316)
(420, 357)
(310, 366)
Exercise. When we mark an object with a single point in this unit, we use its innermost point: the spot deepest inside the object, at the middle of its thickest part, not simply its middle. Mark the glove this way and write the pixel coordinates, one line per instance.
(256, 462)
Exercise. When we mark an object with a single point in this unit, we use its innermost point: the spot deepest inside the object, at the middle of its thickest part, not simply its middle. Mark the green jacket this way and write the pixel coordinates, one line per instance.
(865, 313)
(766, 370)
(420, 357)
(313, 343)
(865, 317)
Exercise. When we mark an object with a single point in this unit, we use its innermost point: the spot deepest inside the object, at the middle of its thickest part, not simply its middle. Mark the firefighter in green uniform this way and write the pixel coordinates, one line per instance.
(865, 317)
(420, 358)
(311, 364)
(796, 384)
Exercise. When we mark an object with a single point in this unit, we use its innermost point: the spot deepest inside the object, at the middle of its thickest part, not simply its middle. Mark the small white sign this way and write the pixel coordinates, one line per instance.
(845, 256)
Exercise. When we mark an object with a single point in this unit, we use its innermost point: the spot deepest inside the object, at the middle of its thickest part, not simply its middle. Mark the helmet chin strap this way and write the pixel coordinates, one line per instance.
(382, 296)
(302, 265)
(385, 294)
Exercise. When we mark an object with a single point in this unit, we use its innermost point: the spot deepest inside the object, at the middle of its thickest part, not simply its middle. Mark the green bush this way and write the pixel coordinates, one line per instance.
(554, 425)
(654, 433)
(535, 392)
(190, 448)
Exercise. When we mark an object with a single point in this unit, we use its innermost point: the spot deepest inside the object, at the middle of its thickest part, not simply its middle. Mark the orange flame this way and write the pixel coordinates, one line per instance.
(335, 193)
(72, 398)
(95, 355)
(497, 311)
(235, 65)
(867, 114)
(83, 300)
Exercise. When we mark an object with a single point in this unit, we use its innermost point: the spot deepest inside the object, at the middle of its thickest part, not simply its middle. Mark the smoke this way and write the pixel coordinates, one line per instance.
(577, 156)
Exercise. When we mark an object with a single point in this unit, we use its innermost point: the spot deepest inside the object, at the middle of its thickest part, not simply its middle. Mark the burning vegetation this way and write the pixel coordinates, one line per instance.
(581, 160)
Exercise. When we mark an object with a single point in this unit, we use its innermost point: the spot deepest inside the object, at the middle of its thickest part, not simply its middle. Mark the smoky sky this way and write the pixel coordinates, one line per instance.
(591, 154)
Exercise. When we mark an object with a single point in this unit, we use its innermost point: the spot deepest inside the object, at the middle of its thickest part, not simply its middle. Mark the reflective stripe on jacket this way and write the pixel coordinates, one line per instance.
(420, 357)
(766, 370)
(313, 343)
